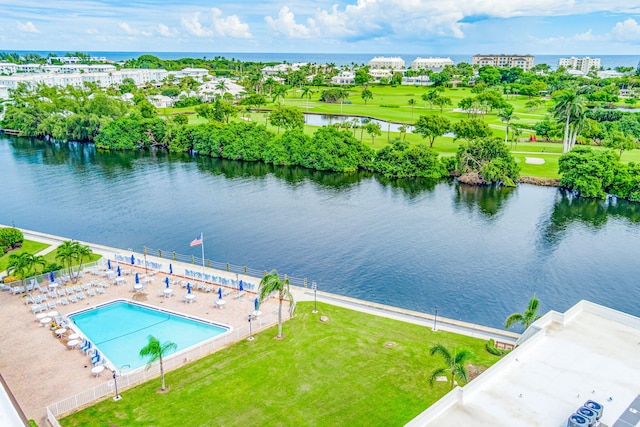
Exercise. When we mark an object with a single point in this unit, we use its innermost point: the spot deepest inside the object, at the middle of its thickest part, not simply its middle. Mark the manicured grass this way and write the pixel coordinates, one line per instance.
(28, 246)
(338, 373)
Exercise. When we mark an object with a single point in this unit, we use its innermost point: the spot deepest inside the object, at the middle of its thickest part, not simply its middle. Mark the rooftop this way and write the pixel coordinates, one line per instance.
(589, 352)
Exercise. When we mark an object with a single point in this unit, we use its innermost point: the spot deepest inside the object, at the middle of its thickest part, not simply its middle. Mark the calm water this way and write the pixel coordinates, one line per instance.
(478, 254)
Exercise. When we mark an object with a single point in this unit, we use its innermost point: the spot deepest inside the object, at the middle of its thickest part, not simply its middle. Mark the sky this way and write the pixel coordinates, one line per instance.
(554, 27)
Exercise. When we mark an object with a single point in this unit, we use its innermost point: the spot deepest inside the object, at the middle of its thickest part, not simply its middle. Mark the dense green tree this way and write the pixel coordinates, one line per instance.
(373, 130)
(442, 101)
(470, 129)
(568, 108)
(431, 127)
(288, 118)
(590, 173)
(402, 160)
(366, 95)
(487, 161)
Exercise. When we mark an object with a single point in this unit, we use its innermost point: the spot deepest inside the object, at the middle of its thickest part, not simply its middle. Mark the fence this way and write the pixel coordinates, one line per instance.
(59, 275)
(174, 361)
(197, 261)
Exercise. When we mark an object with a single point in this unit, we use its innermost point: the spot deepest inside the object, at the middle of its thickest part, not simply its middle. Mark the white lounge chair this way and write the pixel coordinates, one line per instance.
(73, 298)
(100, 290)
(80, 295)
(29, 300)
(91, 293)
(63, 301)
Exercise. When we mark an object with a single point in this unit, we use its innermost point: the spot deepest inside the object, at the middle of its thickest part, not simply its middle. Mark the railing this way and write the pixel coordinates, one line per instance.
(174, 361)
(59, 275)
(197, 262)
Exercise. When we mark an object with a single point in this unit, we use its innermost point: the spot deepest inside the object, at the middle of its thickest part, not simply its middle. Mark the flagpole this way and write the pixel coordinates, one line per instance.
(202, 235)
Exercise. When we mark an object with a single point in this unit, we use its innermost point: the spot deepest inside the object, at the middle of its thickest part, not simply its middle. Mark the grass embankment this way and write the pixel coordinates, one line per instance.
(51, 258)
(338, 373)
(28, 246)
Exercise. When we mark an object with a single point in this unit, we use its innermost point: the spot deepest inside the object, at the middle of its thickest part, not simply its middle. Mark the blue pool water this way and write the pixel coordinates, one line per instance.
(120, 329)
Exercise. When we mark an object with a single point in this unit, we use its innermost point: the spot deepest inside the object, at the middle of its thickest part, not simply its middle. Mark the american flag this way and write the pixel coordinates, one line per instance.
(197, 241)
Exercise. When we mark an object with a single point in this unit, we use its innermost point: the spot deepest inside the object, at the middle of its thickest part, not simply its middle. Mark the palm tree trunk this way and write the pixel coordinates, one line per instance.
(162, 372)
(280, 319)
(565, 139)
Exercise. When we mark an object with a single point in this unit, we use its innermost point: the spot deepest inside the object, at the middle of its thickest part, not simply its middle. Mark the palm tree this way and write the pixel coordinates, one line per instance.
(222, 87)
(506, 115)
(568, 106)
(155, 351)
(18, 265)
(271, 283)
(403, 131)
(83, 252)
(454, 365)
(279, 92)
(67, 253)
(306, 92)
(412, 103)
(527, 318)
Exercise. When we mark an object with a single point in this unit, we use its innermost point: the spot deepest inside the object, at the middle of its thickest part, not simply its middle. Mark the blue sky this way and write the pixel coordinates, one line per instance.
(584, 27)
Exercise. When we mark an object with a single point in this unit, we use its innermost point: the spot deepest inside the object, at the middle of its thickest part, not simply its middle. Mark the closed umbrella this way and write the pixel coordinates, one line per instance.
(118, 271)
(241, 287)
(166, 280)
(137, 279)
(109, 264)
(51, 277)
(133, 260)
(256, 304)
(188, 288)
(166, 283)
(219, 293)
(170, 269)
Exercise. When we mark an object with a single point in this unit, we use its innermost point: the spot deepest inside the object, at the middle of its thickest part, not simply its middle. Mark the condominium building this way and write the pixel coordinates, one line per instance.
(585, 64)
(430, 63)
(392, 63)
(504, 61)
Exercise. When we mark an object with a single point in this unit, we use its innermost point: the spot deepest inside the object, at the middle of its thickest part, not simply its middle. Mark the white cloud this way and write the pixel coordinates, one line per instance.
(286, 24)
(27, 27)
(91, 31)
(165, 31)
(231, 26)
(627, 30)
(127, 29)
(192, 24)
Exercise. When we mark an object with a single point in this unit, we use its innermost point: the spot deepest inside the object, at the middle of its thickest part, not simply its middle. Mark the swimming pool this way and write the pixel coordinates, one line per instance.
(119, 329)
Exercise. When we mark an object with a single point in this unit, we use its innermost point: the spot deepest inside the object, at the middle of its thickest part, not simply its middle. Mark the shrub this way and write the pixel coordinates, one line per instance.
(10, 238)
(389, 106)
(10, 279)
(491, 348)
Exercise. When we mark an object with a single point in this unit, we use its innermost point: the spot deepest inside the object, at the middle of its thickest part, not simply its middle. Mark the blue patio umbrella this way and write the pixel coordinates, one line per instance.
(219, 293)
(133, 259)
(170, 269)
(256, 304)
(188, 288)
(109, 264)
(51, 277)
(137, 279)
(166, 280)
(241, 288)
(118, 271)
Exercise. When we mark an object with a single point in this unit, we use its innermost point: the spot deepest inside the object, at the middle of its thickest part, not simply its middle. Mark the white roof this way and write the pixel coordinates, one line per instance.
(588, 353)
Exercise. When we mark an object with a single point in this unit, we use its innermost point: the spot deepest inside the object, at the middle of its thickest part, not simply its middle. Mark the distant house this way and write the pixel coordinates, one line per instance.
(344, 78)
(161, 101)
(417, 81)
(196, 73)
(609, 74)
(4, 92)
(210, 90)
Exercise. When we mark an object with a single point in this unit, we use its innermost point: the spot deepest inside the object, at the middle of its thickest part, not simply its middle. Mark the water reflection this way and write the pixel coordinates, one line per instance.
(489, 201)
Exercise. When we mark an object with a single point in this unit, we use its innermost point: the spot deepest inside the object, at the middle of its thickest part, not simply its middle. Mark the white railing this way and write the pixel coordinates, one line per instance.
(126, 381)
(59, 275)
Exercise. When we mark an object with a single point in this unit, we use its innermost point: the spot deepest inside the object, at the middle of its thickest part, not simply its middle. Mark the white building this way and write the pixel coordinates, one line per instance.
(585, 64)
(609, 74)
(196, 73)
(4, 92)
(379, 74)
(588, 353)
(161, 101)
(417, 81)
(75, 59)
(431, 63)
(7, 68)
(282, 68)
(344, 78)
(392, 63)
(210, 90)
(504, 61)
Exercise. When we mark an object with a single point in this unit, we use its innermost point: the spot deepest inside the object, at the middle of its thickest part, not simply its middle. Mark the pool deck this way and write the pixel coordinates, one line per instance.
(39, 368)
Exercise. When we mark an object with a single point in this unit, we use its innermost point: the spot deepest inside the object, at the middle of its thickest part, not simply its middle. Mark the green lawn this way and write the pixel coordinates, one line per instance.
(338, 373)
(28, 246)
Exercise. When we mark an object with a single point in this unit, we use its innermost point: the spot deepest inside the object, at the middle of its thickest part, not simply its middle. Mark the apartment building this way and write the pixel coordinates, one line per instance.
(504, 61)
(585, 64)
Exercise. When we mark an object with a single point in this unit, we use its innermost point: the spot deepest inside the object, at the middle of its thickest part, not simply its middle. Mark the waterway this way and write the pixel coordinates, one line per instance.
(478, 254)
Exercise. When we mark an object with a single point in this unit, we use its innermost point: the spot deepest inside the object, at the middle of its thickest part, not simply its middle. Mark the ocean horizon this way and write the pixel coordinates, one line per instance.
(606, 61)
